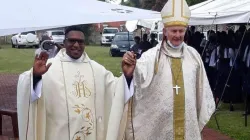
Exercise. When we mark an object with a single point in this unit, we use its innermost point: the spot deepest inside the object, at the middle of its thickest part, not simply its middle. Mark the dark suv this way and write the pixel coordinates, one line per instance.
(121, 43)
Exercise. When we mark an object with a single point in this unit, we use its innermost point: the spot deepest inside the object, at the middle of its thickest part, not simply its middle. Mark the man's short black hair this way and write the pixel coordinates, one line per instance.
(152, 35)
(73, 28)
(137, 38)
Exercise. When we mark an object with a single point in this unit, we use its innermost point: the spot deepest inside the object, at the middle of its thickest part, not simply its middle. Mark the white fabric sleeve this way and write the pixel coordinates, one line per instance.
(38, 51)
(212, 61)
(129, 91)
(36, 94)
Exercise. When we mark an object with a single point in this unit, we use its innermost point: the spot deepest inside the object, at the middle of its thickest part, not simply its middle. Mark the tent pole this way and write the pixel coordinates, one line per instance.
(141, 33)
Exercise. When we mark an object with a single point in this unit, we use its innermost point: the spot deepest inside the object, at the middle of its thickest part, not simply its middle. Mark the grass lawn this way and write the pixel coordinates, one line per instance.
(231, 123)
(19, 60)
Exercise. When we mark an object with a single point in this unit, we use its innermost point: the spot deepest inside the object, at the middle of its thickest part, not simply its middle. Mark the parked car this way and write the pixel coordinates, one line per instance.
(158, 36)
(56, 35)
(121, 43)
(26, 39)
(108, 34)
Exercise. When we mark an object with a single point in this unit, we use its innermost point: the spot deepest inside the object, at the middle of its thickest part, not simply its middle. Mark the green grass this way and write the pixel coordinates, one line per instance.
(20, 60)
(231, 123)
(15, 60)
(101, 55)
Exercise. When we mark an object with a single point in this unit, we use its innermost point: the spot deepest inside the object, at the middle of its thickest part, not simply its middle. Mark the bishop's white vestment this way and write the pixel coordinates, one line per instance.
(79, 100)
(165, 106)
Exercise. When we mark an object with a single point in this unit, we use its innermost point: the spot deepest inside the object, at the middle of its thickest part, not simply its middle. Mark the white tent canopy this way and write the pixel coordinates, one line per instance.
(220, 12)
(27, 15)
(147, 23)
(210, 12)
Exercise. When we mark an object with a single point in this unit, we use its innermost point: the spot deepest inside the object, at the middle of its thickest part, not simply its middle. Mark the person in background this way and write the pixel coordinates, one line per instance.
(145, 45)
(49, 46)
(192, 30)
(188, 38)
(136, 47)
(153, 42)
(203, 44)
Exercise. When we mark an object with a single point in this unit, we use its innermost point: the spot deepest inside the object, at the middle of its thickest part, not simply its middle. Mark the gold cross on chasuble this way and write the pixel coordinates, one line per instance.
(179, 99)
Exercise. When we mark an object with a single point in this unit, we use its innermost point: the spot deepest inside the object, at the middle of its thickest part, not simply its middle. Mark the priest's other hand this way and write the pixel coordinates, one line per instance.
(39, 66)
(128, 64)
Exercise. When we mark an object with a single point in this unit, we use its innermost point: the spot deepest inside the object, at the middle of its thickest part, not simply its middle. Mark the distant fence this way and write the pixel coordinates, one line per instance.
(5, 39)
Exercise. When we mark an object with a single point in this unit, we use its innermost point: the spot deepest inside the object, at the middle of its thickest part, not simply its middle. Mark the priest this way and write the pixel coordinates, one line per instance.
(69, 97)
(172, 98)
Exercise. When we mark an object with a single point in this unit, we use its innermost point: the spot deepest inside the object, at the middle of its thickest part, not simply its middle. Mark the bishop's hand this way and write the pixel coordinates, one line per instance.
(128, 64)
(39, 66)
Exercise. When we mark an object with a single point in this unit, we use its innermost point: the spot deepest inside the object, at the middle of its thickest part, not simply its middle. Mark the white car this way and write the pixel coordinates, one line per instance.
(158, 35)
(26, 39)
(108, 35)
(57, 36)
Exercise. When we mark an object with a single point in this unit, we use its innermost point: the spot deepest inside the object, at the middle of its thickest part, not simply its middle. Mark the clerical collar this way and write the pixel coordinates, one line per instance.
(172, 51)
(174, 47)
(73, 60)
(64, 57)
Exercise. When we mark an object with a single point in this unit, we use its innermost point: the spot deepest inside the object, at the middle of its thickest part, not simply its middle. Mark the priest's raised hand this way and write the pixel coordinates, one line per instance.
(39, 66)
(128, 64)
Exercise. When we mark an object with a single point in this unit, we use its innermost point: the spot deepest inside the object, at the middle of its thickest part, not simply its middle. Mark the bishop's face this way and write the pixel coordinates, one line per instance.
(175, 34)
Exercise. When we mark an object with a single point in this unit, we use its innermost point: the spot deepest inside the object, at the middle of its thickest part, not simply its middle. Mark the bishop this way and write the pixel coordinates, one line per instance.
(154, 111)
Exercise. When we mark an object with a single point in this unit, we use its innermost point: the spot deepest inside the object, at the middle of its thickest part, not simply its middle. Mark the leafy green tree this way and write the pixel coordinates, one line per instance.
(148, 4)
(132, 3)
(87, 31)
(193, 2)
(157, 5)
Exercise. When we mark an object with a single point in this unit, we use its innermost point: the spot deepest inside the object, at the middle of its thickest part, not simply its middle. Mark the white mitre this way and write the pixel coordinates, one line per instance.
(175, 13)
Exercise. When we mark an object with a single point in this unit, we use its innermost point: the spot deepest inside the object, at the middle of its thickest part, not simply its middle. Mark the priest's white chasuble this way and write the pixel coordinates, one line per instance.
(75, 104)
(172, 98)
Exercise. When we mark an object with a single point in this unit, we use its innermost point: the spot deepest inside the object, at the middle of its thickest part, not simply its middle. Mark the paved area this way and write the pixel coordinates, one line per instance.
(8, 85)
(210, 134)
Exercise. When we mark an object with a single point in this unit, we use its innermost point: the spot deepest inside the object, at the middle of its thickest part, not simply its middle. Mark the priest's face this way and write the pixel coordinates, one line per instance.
(175, 34)
(74, 44)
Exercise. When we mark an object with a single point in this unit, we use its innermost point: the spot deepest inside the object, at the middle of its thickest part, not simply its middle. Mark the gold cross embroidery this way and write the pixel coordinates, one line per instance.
(80, 87)
(78, 138)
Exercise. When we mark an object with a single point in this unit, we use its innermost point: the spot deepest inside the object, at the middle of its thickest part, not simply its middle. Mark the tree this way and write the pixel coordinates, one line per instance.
(86, 29)
(148, 4)
(137, 3)
(132, 3)
(157, 5)
(193, 2)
